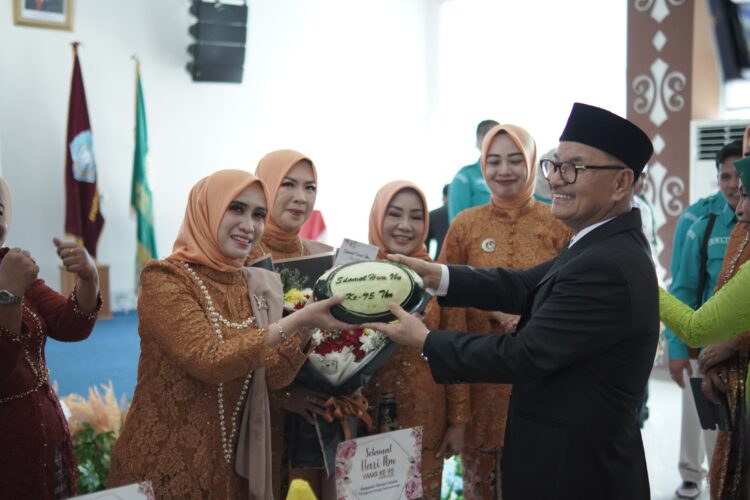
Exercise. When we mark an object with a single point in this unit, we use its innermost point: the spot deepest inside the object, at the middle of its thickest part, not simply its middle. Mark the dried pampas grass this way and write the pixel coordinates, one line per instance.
(102, 411)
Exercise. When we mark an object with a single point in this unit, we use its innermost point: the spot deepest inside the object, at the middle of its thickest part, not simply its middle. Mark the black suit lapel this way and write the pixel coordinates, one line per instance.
(624, 222)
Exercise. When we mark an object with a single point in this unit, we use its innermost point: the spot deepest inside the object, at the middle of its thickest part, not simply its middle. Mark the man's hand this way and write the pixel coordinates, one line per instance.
(429, 271)
(408, 331)
(715, 354)
(676, 369)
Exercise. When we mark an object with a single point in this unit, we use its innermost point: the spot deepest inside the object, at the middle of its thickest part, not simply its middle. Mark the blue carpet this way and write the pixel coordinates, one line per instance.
(110, 353)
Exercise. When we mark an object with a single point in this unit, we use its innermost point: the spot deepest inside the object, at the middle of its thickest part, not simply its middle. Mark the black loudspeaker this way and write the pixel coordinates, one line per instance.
(219, 48)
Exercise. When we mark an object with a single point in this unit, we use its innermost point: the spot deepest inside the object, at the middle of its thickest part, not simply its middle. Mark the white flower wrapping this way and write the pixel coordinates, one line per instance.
(338, 361)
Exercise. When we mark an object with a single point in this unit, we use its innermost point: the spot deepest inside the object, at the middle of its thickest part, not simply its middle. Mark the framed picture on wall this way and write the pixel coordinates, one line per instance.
(56, 14)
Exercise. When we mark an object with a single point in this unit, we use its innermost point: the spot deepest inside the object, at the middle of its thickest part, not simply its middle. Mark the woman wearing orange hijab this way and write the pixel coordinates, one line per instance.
(512, 231)
(403, 393)
(209, 329)
(292, 182)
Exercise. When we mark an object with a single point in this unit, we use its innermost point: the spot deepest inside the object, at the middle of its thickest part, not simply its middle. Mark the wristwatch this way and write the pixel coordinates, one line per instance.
(8, 298)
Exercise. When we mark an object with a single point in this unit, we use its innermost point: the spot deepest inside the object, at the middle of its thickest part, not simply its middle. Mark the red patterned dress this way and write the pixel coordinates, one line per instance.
(36, 453)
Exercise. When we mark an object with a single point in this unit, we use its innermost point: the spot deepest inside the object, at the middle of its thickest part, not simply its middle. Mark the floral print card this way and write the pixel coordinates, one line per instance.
(384, 466)
(135, 491)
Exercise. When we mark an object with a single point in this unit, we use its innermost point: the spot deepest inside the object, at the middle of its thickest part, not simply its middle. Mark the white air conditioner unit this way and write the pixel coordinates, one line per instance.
(706, 138)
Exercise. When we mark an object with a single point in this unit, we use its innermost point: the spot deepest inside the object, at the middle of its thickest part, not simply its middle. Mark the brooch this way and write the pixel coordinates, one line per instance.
(488, 245)
(260, 301)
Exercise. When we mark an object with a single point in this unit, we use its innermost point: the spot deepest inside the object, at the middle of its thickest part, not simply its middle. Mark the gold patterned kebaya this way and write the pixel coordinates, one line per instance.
(513, 233)
(402, 393)
(200, 348)
(284, 244)
(216, 321)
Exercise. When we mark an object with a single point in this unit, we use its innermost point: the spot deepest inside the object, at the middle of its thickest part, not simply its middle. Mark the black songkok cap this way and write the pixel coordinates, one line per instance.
(601, 129)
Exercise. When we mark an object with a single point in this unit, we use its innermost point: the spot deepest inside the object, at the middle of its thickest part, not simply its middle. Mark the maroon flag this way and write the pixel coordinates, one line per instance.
(83, 219)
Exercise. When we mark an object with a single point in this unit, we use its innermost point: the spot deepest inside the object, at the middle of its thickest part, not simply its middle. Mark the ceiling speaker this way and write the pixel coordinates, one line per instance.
(218, 54)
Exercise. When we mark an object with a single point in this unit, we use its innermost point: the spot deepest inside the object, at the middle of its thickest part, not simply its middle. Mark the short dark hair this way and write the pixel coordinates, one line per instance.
(445, 190)
(734, 148)
(484, 126)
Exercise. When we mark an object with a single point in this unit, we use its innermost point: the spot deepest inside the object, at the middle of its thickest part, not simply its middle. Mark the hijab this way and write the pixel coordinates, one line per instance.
(272, 169)
(745, 140)
(523, 140)
(198, 240)
(377, 216)
(7, 201)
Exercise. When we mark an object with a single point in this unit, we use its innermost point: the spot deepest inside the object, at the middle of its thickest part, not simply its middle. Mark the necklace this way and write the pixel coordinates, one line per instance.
(39, 369)
(217, 320)
(733, 263)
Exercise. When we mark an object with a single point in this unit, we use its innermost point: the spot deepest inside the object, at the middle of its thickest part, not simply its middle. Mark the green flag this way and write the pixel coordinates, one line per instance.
(140, 194)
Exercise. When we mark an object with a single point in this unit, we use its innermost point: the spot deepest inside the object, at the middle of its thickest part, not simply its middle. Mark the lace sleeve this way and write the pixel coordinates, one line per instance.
(723, 316)
(171, 315)
(284, 364)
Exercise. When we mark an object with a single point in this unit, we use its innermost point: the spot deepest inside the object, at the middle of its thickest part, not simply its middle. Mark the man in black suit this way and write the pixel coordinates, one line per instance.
(585, 344)
(438, 224)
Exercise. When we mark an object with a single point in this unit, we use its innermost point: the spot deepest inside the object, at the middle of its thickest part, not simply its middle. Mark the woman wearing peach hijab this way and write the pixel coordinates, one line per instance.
(209, 329)
(512, 231)
(403, 393)
(292, 182)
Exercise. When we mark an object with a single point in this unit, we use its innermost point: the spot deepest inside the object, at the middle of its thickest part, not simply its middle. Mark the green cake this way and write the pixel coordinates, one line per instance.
(368, 287)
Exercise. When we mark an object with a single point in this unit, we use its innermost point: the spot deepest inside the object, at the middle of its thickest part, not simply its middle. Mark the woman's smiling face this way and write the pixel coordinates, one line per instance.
(505, 167)
(403, 223)
(243, 223)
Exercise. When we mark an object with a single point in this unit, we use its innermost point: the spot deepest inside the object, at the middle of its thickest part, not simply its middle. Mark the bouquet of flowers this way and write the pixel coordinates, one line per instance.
(298, 275)
(294, 298)
(338, 355)
(296, 294)
(339, 365)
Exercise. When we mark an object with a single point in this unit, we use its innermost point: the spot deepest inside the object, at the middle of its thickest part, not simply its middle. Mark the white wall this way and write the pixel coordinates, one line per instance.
(526, 63)
(371, 91)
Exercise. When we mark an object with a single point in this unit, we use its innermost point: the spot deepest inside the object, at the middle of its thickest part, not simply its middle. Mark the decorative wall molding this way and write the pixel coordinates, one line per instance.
(660, 41)
(659, 9)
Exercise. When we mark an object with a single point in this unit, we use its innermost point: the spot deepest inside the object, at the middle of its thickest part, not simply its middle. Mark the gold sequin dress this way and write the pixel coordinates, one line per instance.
(172, 434)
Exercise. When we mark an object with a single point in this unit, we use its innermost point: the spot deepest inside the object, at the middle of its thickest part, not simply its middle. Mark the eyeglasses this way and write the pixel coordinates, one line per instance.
(569, 170)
